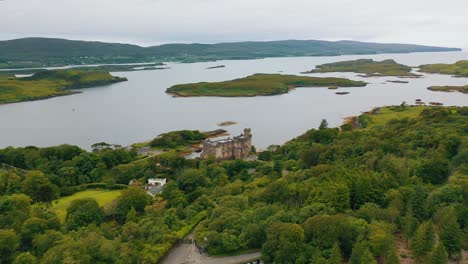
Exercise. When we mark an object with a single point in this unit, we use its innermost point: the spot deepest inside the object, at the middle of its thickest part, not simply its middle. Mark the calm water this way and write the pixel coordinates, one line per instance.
(139, 109)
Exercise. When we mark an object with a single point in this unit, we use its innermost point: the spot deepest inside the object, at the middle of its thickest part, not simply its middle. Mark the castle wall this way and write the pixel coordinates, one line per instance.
(238, 147)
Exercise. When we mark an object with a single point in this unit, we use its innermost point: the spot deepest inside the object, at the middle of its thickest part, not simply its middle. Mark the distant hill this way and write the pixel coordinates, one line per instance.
(34, 52)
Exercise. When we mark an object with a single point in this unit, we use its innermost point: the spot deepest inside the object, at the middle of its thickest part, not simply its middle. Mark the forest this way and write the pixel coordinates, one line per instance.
(40, 52)
(369, 192)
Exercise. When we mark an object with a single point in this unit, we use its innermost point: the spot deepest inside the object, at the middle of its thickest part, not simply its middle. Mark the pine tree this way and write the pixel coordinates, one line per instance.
(440, 255)
(132, 215)
(335, 256)
(409, 224)
(423, 241)
(323, 124)
(451, 236)
(393, 258)
(367, 257)
(317, 257)
(361, 254)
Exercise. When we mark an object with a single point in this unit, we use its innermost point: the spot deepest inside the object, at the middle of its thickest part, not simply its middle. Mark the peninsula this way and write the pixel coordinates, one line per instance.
(258, 85)
(40, 52)
(458, 69)
(368, 67)
(461, 89)
(51, 83)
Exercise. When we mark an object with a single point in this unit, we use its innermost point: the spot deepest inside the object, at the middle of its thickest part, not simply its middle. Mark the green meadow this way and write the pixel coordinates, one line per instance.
(103, 197)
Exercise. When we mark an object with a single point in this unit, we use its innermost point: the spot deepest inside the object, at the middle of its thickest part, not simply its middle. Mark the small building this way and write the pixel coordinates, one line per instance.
(145, 151)
(155, 186)
(230, 148)
(157, 182)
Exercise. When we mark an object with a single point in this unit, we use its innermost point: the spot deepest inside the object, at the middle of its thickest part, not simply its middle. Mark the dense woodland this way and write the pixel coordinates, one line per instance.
(40, 52)
(328, 196)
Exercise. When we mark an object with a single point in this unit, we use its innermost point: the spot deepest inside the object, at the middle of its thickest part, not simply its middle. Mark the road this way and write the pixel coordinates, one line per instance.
(187, 254)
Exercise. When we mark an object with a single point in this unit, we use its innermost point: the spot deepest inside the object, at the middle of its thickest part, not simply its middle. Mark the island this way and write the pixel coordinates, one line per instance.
(51, 83)
(258, 85)
(216, 67)
(461, 89)
(368, 67)
(458, 69)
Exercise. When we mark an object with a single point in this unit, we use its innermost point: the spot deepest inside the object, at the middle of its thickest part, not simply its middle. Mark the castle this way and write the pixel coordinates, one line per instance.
(230, 148)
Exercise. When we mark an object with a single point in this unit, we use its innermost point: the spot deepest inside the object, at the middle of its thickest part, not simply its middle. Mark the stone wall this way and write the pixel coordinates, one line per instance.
(231, 148)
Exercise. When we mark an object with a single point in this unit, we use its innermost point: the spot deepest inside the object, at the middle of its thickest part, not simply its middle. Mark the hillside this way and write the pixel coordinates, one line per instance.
(392, 190)
(36, 52)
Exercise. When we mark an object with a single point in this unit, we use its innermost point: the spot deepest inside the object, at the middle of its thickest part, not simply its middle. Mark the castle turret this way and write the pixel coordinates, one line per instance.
(247, 132)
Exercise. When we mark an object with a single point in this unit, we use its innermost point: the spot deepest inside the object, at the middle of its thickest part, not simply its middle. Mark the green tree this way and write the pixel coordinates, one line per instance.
(14, 210)
(284, 243)
(25, 258)
(361, 254)
(439, 256)
(190, 179)
(9, 243)
(423, 241)
(83, 212)
(323, 124)
(133, 197)
(410, 224)
(132, 215)
(393, 257)
(381, 239)
(39, 188)
(335, 255)
(32, 227)
(317, 257)
(451, 234)
(43, 242)
(435, 170)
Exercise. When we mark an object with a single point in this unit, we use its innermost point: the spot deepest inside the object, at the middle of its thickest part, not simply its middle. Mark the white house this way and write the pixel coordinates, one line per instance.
(157, 182)
(155, 186)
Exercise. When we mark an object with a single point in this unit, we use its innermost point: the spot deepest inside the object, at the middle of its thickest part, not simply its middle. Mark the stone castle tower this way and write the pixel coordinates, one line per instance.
(229, 148)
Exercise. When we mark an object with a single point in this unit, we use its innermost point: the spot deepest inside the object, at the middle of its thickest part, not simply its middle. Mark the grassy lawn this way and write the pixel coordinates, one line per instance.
(259, 85)
(368, 67)
(103, 197)
(388, 113)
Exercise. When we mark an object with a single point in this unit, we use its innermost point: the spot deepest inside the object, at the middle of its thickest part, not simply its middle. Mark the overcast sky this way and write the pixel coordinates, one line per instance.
(150, 22)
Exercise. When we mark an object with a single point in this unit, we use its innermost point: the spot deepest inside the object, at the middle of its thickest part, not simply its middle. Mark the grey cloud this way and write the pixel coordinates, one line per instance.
(161, 21)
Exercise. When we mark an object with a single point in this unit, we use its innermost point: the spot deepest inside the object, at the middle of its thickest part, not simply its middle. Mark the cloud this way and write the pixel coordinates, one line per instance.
(162, 21)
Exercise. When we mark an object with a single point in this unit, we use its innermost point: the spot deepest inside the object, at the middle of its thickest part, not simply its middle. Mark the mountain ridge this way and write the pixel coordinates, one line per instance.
(38, 51)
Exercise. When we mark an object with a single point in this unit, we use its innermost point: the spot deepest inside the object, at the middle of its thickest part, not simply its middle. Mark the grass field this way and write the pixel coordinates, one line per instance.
(368, 67)
(103, 197)
(388, 113)
(258, 85)
(460, 68)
